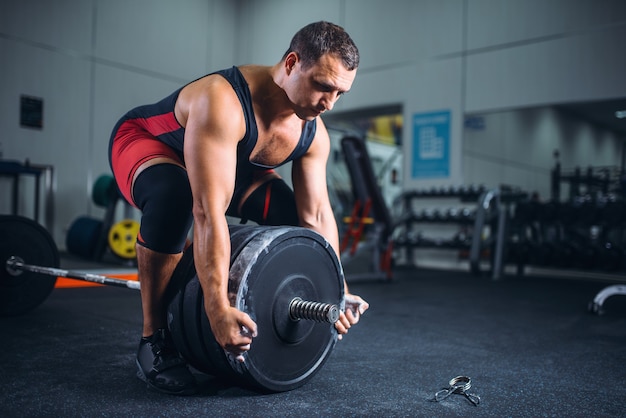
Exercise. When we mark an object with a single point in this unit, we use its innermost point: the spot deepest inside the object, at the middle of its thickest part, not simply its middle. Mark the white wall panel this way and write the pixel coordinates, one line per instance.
(58, 24)
(63, 84)
(223, 34)
(577, 68)
(158, 35)
(497, 22)
(266, 27)
(397, 32)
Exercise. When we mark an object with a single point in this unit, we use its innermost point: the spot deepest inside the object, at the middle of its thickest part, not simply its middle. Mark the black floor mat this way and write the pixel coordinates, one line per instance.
(529, 345)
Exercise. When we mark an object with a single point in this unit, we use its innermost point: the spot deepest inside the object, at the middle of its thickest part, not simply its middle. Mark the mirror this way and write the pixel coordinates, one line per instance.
(381, 128)
(522, 147)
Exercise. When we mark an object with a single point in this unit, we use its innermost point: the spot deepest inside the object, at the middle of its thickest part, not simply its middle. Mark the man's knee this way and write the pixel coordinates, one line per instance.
(163, 194)
(272, 203)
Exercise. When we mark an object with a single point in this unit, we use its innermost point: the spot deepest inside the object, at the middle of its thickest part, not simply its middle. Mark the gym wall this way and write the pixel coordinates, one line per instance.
(90, 61)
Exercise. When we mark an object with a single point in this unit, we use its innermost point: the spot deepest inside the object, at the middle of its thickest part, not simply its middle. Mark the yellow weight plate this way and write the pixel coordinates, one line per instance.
(123, 237)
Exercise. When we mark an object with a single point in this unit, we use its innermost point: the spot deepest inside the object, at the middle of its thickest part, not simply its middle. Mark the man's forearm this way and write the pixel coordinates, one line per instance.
(212, 260)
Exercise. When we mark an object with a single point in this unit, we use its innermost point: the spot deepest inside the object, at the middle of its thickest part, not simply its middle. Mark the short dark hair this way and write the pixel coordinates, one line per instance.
(319, 38)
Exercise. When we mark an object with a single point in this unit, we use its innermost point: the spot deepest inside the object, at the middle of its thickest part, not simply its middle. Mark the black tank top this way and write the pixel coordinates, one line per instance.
(149, 118)
(246, 168)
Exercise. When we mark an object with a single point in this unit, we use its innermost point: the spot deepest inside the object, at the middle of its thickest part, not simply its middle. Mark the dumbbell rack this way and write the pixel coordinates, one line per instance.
(591, 181)
(482, 225)
(584, 236)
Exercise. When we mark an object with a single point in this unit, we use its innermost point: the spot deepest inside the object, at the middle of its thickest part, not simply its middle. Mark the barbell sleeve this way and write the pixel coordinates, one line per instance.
(313, 311)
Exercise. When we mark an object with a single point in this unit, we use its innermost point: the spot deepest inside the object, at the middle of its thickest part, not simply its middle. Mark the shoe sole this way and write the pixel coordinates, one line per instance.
(141, 375)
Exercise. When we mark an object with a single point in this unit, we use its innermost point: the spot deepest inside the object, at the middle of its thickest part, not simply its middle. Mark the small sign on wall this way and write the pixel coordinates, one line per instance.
(476, 123)
(431, 145)
(31, 112)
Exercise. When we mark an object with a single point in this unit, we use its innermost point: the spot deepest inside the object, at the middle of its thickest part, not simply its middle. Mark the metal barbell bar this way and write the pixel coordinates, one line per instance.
(298, 308)
(15, 266)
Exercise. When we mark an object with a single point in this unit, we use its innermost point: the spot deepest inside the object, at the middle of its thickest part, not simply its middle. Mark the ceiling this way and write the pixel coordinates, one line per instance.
(601, 113)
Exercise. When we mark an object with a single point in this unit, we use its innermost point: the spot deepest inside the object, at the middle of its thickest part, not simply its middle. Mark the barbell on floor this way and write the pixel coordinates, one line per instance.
(298, 308)
(277, 276)
(15, 267)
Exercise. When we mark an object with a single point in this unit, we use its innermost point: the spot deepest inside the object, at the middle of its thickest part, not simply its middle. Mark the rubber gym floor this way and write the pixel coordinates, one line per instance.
(528, 344)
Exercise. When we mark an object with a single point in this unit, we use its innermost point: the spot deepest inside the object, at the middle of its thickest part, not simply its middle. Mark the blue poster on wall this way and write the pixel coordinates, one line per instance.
(431, 144)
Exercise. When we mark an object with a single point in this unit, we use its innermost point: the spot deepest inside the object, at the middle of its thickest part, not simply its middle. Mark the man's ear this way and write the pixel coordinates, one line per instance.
(290, 61)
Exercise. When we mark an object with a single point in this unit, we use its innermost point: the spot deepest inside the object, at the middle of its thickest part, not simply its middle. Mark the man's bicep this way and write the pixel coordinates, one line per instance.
(310, 170)
(214, 127)
(211, 160)
(310, 189)
(211, 165)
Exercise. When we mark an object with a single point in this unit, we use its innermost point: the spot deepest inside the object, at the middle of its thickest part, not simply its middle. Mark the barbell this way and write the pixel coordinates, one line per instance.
(278, 276)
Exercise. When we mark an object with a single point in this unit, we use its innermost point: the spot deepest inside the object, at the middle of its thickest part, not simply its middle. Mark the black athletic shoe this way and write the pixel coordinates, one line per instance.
(161, 366)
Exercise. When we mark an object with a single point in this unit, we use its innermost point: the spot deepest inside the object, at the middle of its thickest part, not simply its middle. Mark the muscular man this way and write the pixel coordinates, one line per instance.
(207, 151)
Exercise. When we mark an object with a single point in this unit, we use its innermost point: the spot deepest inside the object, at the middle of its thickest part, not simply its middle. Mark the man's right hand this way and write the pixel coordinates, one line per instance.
(233, 330)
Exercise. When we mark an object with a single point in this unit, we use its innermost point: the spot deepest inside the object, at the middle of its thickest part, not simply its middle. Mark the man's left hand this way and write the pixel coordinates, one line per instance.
(355, 307)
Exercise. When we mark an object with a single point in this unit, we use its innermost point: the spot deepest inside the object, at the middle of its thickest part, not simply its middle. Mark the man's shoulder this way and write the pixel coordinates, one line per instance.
(211, 83)
(210, 95)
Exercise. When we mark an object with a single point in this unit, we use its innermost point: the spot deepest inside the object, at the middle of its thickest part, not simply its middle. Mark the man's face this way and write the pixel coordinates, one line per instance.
(315, 90)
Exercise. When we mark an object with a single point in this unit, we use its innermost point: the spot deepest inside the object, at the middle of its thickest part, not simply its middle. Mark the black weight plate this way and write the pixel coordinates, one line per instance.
(193, 310)
(175, 296)
(269, 267)
(187, 321)
(83, 235)
(26, 239)
(276, 266)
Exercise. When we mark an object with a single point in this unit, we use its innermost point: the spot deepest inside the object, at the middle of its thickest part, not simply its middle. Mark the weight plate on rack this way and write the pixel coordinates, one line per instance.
(123, 237)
